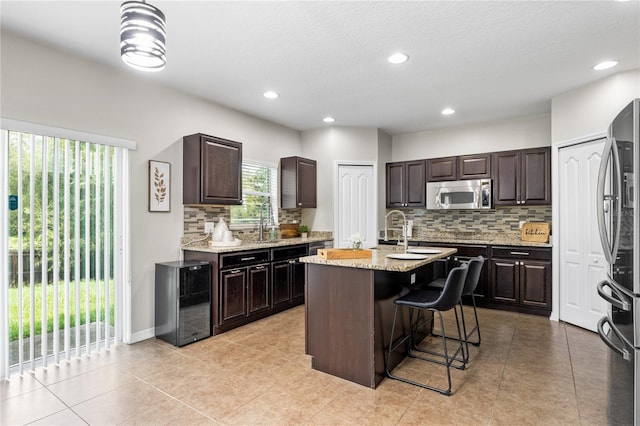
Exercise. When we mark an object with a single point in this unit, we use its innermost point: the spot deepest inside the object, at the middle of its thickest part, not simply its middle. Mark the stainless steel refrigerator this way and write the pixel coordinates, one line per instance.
(618, 223)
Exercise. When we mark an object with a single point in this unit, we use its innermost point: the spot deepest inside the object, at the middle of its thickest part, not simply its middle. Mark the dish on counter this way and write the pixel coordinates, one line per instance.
(424, 251)
(407, 256)
(235, 242)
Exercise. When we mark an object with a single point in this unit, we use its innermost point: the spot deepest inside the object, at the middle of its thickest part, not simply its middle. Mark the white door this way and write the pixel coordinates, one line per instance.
(355, 205)
(582, 263)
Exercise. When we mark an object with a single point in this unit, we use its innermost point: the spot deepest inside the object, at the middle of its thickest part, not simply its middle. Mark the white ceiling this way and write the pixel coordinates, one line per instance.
(488, 60)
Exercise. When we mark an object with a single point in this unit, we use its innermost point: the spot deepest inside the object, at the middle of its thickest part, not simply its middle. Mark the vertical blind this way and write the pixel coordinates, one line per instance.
(64, 250)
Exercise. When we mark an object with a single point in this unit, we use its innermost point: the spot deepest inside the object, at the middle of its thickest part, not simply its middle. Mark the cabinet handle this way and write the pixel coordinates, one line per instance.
(523, 201)
(520, 253)
(518, 202)
(299, 204)
(292, 261)
(235, 271)
(245, 259)
(259, 268)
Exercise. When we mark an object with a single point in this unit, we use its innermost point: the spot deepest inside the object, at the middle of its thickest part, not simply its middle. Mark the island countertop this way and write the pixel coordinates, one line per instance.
(380, 262)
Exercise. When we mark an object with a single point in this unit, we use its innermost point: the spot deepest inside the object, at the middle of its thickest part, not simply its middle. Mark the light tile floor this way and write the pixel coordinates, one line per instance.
(528, 370)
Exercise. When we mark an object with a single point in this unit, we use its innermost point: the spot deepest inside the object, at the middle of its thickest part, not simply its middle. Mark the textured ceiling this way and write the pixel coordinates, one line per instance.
(488, 60)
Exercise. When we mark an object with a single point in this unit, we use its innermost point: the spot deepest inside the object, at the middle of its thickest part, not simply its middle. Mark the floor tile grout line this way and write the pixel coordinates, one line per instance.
(504, 367)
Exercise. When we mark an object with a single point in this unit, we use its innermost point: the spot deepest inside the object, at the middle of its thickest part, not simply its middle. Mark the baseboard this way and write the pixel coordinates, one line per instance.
(139, 336)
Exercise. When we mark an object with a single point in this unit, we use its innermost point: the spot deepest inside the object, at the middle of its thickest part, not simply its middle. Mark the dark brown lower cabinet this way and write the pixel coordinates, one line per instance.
(521, 279)
(243, 292)
(249, 285)
(288, 281)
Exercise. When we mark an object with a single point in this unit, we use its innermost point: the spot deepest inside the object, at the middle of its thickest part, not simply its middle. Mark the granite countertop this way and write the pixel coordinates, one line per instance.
(252, 245)
(379, 260)
(484, 238)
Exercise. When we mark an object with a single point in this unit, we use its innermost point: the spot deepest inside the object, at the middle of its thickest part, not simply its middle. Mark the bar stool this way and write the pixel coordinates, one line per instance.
(436, 302)
(470, 284)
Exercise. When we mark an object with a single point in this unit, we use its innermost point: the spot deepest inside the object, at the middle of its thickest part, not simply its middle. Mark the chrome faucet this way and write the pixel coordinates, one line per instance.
(261, 224)
(404, 228)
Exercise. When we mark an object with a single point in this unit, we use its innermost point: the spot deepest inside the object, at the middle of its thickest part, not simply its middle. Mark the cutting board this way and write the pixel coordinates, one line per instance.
(345, 253)
(535, 232)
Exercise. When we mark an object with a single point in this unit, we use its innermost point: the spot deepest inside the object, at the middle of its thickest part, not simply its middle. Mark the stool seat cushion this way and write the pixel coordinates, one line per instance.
(419, 298)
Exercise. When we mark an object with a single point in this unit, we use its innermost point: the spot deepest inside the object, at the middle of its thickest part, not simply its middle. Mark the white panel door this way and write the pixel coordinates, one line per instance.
(582, 263)
(355, 205)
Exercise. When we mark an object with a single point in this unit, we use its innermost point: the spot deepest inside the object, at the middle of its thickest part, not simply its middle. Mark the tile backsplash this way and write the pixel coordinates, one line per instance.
(196, 215)
(498, 220)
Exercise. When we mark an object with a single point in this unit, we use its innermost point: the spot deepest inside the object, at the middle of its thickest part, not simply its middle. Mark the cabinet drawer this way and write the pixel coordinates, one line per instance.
(464, 250)
(243, 258)
(515, 252)
(289, 252)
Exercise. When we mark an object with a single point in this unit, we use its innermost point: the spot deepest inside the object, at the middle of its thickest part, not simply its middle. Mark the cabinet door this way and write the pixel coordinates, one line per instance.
(536, 176)
(258, 289)
(477, 166)
(395, 184)
(415, 184)
(232, 294)
(220, 171)
(306, 195)
(535, 283)
(280, 283)
(297, 279)
(506, 177)
(439, 169)
(504, 280)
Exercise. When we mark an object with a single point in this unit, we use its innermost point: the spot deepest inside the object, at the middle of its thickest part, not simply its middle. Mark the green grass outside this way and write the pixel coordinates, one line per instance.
(14, 319)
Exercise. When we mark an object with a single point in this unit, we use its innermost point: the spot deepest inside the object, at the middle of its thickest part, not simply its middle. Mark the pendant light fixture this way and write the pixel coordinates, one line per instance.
(142, 36)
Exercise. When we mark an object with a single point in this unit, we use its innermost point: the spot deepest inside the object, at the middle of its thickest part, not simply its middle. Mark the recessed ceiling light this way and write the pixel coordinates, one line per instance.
(605, 65)
(398, 58)
(328, 119)
(448, 111)
(270, 95)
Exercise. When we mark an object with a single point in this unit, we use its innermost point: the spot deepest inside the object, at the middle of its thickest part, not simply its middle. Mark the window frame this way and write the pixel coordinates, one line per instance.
(273, 193)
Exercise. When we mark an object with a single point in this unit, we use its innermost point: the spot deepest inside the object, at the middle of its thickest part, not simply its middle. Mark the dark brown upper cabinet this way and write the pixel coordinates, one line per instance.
(406, 184)
(522, 177)
(298, 183)
(441, 169)
(212, 170)
(476, 166)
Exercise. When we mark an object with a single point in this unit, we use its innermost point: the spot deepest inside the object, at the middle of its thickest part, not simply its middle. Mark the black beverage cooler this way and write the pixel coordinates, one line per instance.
(183, 301)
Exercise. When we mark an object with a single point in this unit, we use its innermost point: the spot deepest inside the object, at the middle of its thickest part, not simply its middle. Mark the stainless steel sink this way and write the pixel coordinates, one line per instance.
(407, 256)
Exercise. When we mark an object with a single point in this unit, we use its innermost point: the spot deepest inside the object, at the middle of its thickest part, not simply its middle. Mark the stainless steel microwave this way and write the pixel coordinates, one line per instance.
(459, 194)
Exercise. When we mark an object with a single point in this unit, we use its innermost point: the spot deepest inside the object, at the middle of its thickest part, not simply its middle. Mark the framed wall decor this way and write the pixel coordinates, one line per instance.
(159, 186)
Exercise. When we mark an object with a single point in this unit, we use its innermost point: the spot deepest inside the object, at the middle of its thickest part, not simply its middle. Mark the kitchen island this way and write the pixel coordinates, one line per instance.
(349, 310)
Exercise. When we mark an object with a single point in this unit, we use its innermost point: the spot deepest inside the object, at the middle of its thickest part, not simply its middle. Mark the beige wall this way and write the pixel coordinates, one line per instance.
(384, 157)
(516, 133)
(326, 146)
(591, 108)
(45, 86)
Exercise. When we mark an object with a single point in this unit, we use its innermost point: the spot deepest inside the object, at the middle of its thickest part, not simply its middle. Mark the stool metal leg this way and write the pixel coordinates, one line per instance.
(476, 328)
(448, 358)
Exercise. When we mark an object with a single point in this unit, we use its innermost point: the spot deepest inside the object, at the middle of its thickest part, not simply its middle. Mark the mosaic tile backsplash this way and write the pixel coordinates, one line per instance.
(196, 215)
(498, 220)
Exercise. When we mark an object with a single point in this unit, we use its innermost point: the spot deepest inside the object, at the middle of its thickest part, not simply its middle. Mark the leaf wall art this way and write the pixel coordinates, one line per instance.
(159, 186)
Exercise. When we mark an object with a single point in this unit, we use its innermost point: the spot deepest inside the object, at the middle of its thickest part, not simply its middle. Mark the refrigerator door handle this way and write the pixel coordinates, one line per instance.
(619, 301)
(623, 352)
(609, 248)
(617, 199)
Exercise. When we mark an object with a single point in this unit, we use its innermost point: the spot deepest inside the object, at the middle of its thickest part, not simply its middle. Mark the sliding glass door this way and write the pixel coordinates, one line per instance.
(64, 252)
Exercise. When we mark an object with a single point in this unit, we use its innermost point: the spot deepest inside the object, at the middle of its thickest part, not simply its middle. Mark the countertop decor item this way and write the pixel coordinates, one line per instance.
(159, 186)
(304, 231)
(536, 231)
(142, 36)
(289, 230)
(344, 253)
